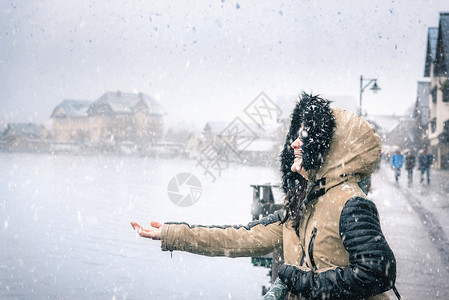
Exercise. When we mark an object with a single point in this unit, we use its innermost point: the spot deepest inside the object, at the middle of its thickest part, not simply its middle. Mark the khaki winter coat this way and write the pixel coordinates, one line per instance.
(352, 155)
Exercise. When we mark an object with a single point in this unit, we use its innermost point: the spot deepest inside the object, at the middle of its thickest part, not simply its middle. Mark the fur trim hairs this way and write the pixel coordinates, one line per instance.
(319, 124)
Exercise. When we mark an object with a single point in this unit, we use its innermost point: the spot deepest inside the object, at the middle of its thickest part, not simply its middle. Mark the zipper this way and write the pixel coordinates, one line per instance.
(306, 223)
(303, 256)
(312, 240)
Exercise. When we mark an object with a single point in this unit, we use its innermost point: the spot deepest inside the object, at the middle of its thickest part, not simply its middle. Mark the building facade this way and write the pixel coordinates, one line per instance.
(70, 121)
(421, 114)
(438, 125)
(114, 118)
(25, 137)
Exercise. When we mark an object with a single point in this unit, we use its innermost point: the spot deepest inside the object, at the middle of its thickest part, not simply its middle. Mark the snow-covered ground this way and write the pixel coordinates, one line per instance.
(414, 220)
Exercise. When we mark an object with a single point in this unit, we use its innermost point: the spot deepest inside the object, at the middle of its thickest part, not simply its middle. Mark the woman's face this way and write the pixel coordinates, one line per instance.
(297, 163)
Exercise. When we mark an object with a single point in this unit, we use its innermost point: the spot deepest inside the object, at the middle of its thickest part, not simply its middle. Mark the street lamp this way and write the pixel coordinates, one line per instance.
(365, 183)
(375, 88)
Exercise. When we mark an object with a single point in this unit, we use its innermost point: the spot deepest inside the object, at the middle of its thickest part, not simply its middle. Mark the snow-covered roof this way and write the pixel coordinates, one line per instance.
(124, 103)
(442, 48)
(432, 39)
(71, 108)
(29, 130)
(444, 24)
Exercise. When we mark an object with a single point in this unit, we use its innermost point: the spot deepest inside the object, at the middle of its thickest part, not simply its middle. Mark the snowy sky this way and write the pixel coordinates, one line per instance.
(206, 60)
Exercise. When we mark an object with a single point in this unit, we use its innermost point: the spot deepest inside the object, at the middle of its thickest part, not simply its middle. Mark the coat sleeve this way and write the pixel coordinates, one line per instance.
(257, 238)
(372, 265)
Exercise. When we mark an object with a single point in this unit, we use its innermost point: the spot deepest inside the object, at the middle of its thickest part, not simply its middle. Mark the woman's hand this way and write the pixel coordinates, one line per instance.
(154, 234)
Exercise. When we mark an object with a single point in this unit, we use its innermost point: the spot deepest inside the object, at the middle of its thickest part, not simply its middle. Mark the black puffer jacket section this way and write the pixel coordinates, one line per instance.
(372, 268)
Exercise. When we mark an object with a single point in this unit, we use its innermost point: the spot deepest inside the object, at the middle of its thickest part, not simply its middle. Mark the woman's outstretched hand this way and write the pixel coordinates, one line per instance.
(151, 233)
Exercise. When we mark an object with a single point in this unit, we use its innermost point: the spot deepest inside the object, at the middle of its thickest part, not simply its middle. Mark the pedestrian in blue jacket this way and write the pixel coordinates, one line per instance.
(397, 160)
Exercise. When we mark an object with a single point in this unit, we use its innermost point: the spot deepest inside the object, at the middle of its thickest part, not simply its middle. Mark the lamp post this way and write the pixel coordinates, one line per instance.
(365, 183)
(375, 88)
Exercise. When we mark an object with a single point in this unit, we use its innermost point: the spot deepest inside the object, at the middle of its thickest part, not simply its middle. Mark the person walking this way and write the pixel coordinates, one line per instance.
(410, 161)
(333, 245)
(425, 160)
(397, 160)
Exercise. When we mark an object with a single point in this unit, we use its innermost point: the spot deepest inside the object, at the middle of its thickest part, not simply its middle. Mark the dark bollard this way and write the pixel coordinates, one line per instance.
(263, 204)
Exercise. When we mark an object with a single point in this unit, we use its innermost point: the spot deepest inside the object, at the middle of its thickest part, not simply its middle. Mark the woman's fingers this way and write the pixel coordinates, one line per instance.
(138, 228)
(135, 225)
(156, 224)
(148, 233)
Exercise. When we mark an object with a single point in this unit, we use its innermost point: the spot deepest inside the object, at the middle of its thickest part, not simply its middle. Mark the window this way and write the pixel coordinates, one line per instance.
(433, 125)
(434, 94)
(445, 90)
(446, 126)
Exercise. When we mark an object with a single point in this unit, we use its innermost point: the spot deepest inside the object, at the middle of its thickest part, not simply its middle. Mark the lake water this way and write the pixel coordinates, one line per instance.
(65, 233)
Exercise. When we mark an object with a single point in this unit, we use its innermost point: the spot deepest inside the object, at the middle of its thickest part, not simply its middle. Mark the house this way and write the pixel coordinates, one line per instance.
(213, 129)
(437, 129)
(70, 121)
(237, 141)
(384, 125)
(402, 135)
(432, 40)
(261, 152)
(125, 116)
(26, 137)
(421, 113)
(195, 143)
(114, 118)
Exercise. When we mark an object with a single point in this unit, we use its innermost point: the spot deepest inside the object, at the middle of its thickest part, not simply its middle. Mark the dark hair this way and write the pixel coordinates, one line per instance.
(294, 200)
(315, 114)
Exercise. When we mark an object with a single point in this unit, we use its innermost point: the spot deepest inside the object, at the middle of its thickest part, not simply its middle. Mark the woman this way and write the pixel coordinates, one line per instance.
(332, 242)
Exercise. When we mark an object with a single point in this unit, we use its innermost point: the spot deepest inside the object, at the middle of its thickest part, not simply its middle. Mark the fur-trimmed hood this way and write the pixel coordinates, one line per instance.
(336, 144)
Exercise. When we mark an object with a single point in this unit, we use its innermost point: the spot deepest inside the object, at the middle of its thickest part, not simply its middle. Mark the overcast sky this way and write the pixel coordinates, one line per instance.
(206, 60)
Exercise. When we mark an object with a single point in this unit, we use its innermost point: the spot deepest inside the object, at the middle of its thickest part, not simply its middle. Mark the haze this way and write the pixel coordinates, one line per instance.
(206, 60)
